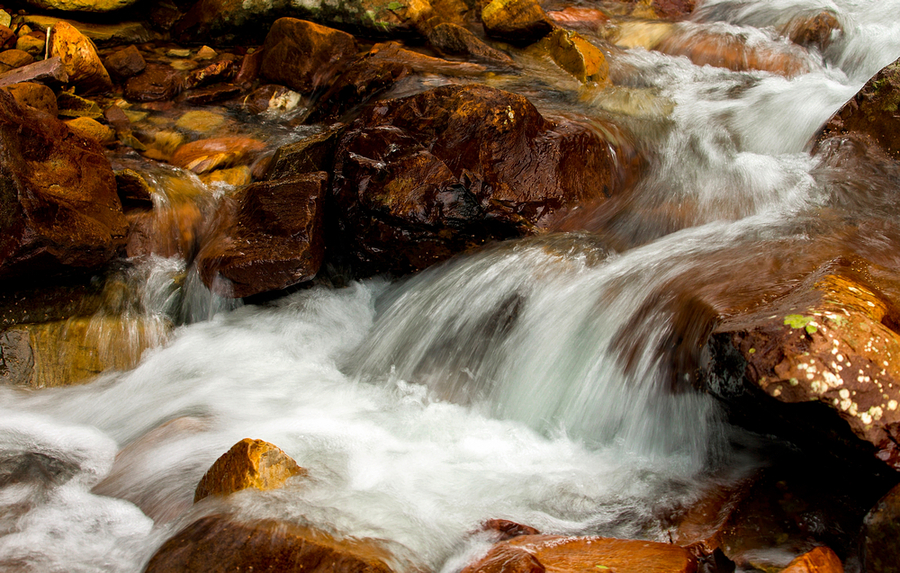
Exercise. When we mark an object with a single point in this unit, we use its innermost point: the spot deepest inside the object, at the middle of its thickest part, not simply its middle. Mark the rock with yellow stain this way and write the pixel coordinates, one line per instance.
(577, 56)
(819, 560)
(80, 59)
(638, 34)
(516, 21)
(828, 343)
(248, 464)
(200, 121)
(92, 129)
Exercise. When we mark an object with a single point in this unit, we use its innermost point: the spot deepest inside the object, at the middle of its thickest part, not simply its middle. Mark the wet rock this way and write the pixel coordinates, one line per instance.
(92, 129)
(819, 560)
(825, 349)
(249, 70)
(37, 96)
(813, 31)
(314, 153)
(232, 177)
(577, 56)
(112, 34)
(673, 9)
(268, 238)
(133, 190)
(451, 39)
(701, 528)
(538, 553)
(393, 53)
(249, 463)
(880, 545)
(872, 113)
(158, 82)
(420, 178)
(220, 71)
(170, 231)
(11, 59)
(33, 43)
(50, 70)
(200, 121)
(639, 34)
(506, 529)
(82, 5)
(305, 56)
(80, 58)
(71, 105)
(218, 543)
(518, 22)
(579, 18)
(208, 154)
(126, 63)
(272, 100)
(60, 208)
(205, 53)
(210, 94)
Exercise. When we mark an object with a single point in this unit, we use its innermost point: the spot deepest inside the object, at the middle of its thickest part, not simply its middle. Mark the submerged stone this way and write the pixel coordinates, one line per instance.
(206, 155)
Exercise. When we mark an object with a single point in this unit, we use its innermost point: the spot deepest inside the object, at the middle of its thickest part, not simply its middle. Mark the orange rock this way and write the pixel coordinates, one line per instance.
(538, 553)
(516, 21)
(818, 30)
(577, 56)
(79, 57)
(249, 463)
(579, 17)
(208, 154)
(819, 560)
(35, 95)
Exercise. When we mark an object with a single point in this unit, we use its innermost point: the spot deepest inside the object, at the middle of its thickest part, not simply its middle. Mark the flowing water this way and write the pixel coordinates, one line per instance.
(539, 380)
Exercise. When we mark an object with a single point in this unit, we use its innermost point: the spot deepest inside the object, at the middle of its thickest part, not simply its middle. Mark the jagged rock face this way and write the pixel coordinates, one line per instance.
(60, 210)
(418, 179)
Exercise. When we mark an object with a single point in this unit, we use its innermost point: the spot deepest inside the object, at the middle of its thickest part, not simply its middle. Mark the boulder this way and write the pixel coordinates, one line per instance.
(35, 95)
(816, 30)
(305, 56)
(60, 211)
(158, 82)
(249, 463)
(125, 63)
(418, 179)
(81, 5)
(80, 59)
(872, 113)
(539, 553)
(819, 560)
(206, 155)
(577, 56)
(11, 59)
(220, 543)
(880, 544)
(453, 40)
(518, 22)
(269, 237)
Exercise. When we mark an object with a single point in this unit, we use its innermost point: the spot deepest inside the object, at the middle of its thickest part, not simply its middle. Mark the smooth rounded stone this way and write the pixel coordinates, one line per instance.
(34, 95)
(453, 39)
(125, 63)
(305, 56)
(270, 237)
(7, 37)
(82, 5)
(539, 553)
(34, 43)
(577, 56)
(579, 18)
(518, 22)
(158, 82)
(11, 59)
(59, 209)
(92, 129)
(80, 58)
(248, 464)
(219, 543)
(5, 18)
(819, 560)
(215, 153)
(880, 546)
(200, 121)
(817, 31)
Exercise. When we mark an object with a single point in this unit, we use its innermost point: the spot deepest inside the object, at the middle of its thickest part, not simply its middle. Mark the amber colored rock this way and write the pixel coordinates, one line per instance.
(700, 528)
(813, 31)
(518, 22)
(819, 560)
(880, 544)
(640, 34)
(452, 39)
(539, 553)
(579, 17)
(249, 463)
(171, 231)
(111, 34)
(34, 43)
(269, 237)
(11, 59)
(305, 56)
(577, 56)
(158, 82)
(216, 544)
(872, 113)
(826, 344)
(82, 5)
(208, 154)
(126, 63)
(79, 56)
(59, 204)
(222, 70)
(420, 178)
(35, 95)
(92, 129)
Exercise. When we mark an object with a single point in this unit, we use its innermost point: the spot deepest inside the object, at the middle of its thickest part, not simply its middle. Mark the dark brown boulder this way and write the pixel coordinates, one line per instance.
(453, 40)
(880, 545)
(35, 95)
(218, 544)
(59, 208)
(158, 82)
(315, 153)
(125, 63)
(269, 237)
(248, 464)
(873, 113)
(420, 178)
(305, 56)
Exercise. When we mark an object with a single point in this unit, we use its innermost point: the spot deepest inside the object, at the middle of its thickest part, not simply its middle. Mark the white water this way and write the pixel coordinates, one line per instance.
(492, 387)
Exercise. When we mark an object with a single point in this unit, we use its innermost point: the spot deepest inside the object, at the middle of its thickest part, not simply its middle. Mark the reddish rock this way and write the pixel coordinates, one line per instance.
(217, 543)
(305, 56)
(420, 178)
(158, 82)
(7, 37)
(248, 464)
(579, 17)
(222, 70)
(125, 63)
(506, 529)
(518, 22)
(315, 153)
(34, 95)
(207, 154)
(872, 113)
(210, 94)
(539, 553)
(268, 238)
(50, 70)
(80, 59)
(673, 9)
(59, 206)
(880, 546)
(451, 39)
(249, 69)
(819, 560)
(813, 31)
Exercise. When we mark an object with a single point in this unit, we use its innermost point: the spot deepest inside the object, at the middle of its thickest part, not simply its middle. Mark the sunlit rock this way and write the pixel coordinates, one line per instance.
(220, 543)
(819, 560)
(420, 178)
(79, 56)
(208, 154)
(269, 237)
(827, 347)
(303, 55)
(881, 535)
(248, 464)
(515, 21)
(59, 204)
(577, 56)
(231, 177)
(92, 129)
(640, 34)
(82, 5)
(872, 113)
(538, 553)
(35, 95)
(158, 82)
